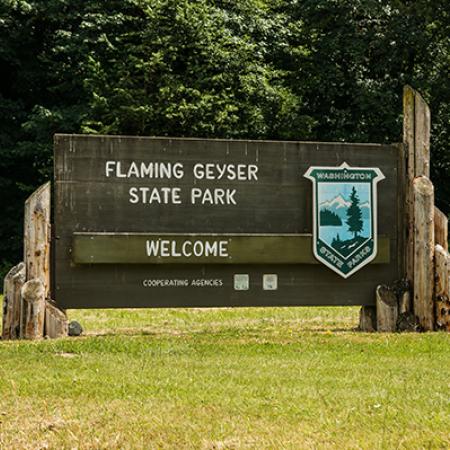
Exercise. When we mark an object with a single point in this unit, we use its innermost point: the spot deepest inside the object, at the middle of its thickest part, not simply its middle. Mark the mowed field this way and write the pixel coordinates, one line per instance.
(270, 378)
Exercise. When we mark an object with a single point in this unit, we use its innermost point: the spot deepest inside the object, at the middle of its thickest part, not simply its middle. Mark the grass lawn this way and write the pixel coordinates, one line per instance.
(226, 379)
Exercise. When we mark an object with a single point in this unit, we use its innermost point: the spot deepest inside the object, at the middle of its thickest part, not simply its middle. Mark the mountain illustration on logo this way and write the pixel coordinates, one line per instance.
(344, 216)
(338, 205)
(349, 217)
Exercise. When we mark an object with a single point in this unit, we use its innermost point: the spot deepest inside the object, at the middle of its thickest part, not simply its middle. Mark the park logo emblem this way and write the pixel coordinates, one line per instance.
(344, 216)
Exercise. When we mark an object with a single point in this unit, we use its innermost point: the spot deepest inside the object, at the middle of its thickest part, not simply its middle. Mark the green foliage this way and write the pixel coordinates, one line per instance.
(307, 70)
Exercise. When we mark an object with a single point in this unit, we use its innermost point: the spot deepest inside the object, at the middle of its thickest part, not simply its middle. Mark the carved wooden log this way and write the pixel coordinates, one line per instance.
(387, 309)
(424, 252)
(37, 236)
(12, 301)
(56, 323)
(416, 137)
(422, 127)
(368, 318)
(442, 288)
(408, 140)
(37, 245)
(441, 228)
(404, 302)
(33, 294)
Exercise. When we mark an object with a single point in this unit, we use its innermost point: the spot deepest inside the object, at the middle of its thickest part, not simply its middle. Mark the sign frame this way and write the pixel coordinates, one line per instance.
(280, 204)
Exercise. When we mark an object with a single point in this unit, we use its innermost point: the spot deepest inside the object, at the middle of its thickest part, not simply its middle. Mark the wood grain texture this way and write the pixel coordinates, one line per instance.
(279, 203)
(56, 323)
(441, 228)
(12, 286)
(37, 236)
(442, 288)
(424, 252)
(33, 294)
(368, 319)
(422, 127)
(409, 142)
(387, 309)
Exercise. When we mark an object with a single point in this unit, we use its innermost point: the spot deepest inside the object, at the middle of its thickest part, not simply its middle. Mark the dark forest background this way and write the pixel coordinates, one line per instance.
(328, 70)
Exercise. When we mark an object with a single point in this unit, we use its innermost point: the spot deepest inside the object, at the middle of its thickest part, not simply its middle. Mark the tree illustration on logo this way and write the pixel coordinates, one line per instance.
(354, 214)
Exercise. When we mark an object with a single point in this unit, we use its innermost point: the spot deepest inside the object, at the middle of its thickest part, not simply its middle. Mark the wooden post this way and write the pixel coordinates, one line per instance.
(12, 302)
(387, 309)
(409, 141)
(33, 294)
(56, 323)
(36, 250)
(368, 319)
(422, 126)
(404, 302)
(416, 138)
(37, 236)
(424, 252)
(441, 228)
(442, 288)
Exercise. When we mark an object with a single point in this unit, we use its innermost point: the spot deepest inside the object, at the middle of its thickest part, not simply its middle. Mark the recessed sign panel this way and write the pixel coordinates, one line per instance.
(160, 222)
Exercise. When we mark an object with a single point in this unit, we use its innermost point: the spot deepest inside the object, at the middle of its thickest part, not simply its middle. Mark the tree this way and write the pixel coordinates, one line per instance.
(329, 218)
(354, 214)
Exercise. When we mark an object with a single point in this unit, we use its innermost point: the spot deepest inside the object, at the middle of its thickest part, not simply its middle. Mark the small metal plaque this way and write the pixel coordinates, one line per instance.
(241, 282)
(270, 281)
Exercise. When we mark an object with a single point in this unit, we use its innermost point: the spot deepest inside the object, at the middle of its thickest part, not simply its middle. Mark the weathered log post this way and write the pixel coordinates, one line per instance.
(37, 236)
(33, 295)
(56, 323)
(27, 310)
(441, 228)
(425, 223)
(37, 246)
(368, 319)
(13, 283)
(442, 288)
(409, 141)
(387, 309)
(424, 252)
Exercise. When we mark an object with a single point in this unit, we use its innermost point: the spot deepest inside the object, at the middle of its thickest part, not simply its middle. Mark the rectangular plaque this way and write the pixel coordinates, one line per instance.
(175, 248)
(125, 206)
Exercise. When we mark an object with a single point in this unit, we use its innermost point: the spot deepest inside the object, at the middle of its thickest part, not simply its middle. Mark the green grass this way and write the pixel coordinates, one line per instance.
(226, 379)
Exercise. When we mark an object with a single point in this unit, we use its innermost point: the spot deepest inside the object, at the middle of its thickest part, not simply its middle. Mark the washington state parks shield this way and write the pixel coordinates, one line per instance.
(344, 216)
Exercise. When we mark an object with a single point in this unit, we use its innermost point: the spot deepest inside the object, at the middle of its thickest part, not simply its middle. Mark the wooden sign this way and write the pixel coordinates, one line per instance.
(161, 222)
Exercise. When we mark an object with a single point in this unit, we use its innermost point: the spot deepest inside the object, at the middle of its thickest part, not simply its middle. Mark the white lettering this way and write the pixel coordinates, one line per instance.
(109, 168)
(165, 248)
(152, 248)
(134, 198)
(216, 196)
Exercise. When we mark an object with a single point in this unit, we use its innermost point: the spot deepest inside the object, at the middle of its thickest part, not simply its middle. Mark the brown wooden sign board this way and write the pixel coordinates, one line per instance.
(161, 222)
